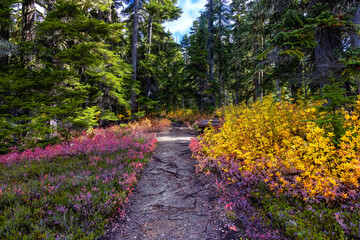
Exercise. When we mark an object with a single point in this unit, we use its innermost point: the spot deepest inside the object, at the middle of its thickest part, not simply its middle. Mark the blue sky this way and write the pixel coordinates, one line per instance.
(191, 10)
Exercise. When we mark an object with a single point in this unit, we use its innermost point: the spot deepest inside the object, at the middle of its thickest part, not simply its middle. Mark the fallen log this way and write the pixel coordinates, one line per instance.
(215, 122)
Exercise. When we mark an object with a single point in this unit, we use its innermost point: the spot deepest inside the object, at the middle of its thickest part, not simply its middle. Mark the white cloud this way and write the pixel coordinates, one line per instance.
(191, 10)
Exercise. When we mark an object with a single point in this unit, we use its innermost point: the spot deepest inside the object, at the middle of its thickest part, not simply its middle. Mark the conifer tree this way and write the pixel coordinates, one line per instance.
(134, 46)
(198, 61)
(158, 13)
(78, 78)
(28, 20)
(210, 43)
(6, 23)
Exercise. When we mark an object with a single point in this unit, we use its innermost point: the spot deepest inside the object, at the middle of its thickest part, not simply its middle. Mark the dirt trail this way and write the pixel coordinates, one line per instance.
(170, 200)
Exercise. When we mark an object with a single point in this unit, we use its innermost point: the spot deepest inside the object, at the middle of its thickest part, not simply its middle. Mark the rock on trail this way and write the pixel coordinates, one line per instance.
(171, 201)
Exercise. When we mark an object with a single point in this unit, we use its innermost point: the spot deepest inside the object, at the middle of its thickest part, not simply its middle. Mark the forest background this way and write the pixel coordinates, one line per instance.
(67, 66)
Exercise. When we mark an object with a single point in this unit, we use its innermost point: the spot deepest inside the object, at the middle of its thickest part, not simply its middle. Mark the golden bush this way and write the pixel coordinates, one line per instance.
(280, 142)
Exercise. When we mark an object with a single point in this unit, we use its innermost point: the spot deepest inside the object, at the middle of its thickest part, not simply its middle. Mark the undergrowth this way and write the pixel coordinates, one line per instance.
(72, 190)
(274, 157)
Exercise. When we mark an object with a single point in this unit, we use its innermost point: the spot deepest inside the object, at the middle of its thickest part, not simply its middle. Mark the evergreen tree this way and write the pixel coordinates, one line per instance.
(134, 46)
(158, 13)
(210, 42)
(198, 66)
(241, 64)
(221, 49)
(6, 23)
(77, 78)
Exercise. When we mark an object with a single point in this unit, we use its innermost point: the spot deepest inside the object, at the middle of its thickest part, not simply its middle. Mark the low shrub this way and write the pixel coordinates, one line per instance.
(72, 190)
(187, 116)
(150, 125)
(289, 165)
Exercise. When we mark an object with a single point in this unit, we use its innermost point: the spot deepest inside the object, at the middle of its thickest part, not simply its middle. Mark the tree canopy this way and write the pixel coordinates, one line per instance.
(67, 66)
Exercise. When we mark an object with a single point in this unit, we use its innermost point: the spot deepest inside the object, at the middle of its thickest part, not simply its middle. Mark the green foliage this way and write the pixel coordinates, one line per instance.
(29, 105)
(6, 7)
(323, 16)
(158, 57)
(73, 196)
(163, 10)
(351, 60)
(139, 114)
(306, 220)
(108, 115)
(163, 66)
(148, 103)
(77, 75)
(86, 119)
(196, 71)
(292, 19)
(336, 101)
(296, 35)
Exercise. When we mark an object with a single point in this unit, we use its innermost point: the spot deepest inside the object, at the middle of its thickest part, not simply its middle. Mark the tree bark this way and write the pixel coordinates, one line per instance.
(50, 6)
(326, 58)
(210, 43)
(354, 37)
(355, 41)
(278, 90)
(101, 15)
(222, 98)
(104, 15)
(5, 31)
(237, 88)
(148, 81)
(28, 13)
(109, 15)
(134, 44)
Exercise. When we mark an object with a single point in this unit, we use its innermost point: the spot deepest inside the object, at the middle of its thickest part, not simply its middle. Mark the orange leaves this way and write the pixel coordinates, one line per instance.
(151, 125)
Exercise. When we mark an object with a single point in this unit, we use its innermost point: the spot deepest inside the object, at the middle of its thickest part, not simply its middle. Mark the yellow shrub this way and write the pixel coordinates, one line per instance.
(280, 143)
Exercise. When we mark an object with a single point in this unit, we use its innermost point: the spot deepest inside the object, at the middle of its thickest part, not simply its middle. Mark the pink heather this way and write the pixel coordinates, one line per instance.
(99, 142)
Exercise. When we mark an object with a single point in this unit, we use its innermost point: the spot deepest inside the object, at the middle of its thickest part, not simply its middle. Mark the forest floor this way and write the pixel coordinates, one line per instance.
(171, 201)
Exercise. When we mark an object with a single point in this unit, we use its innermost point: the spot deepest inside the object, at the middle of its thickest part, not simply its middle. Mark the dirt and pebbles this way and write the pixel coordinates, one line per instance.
(171, 201)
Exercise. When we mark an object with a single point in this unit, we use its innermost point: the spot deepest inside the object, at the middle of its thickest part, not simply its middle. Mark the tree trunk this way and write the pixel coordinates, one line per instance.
(148, 81)
(27, 34)
(278, 90)
(237, 88)
(134, 44)
(5, 32)
(101, 15)
(210, 43)
(199, 101)
(109, 15)
(222, 98)
(354, 37)
(262, 88)
(355, 41)
(257, 78)
(28, 13)
(50, 6)
(326, 58)
(256, 94)
(105, 15)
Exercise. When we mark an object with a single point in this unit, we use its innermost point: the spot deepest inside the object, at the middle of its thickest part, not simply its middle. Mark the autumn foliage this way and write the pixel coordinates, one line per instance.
(187, 116)
(71, 190)
(279, 174)
(280, 143)
(150, 125)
